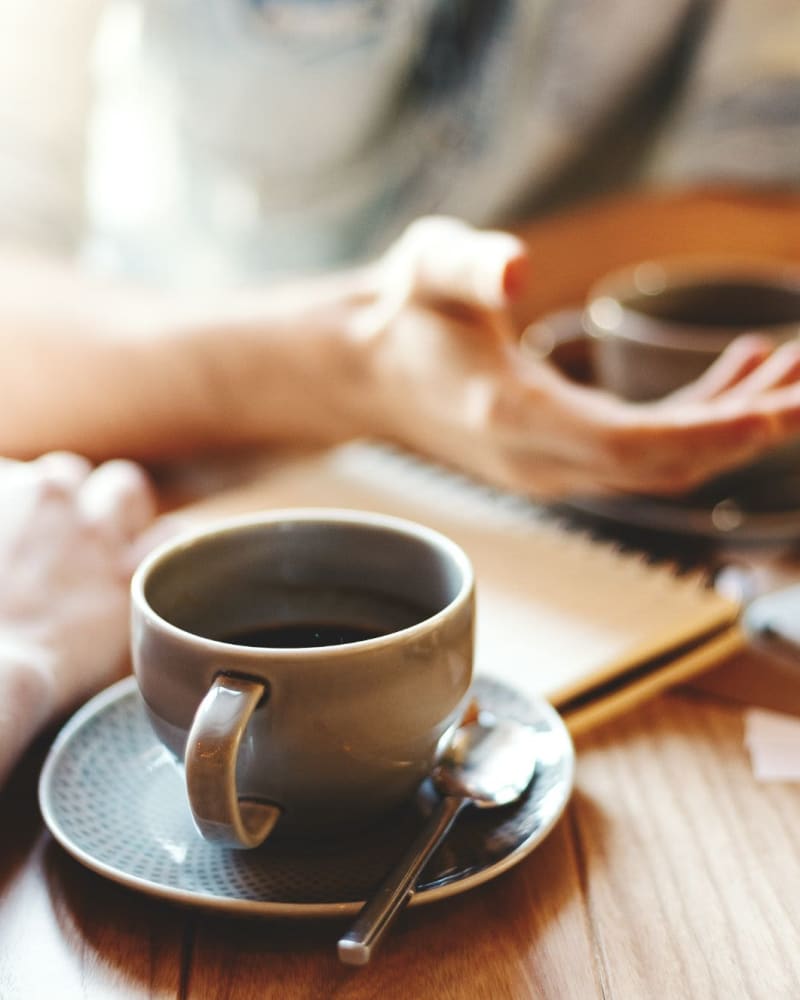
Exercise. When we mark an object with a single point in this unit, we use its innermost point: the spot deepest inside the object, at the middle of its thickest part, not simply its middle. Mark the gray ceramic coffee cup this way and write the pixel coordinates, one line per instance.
(275, 729)
(650, 329)
(660, 324)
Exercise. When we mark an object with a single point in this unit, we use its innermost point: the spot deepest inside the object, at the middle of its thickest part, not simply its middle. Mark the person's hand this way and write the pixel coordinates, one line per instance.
(69, 539)
(442, 373)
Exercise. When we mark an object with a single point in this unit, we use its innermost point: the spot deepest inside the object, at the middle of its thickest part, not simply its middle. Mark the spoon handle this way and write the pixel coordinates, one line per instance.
(371, 924)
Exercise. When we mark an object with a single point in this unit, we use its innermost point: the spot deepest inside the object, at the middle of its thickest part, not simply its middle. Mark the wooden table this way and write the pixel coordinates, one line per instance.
(672, 874)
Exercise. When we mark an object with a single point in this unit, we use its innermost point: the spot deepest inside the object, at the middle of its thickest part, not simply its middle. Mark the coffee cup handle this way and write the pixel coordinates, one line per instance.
(212, 750)
(561, 339)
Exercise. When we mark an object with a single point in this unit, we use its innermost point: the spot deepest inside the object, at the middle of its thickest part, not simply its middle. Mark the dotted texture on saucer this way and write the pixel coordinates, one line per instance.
(115, 799)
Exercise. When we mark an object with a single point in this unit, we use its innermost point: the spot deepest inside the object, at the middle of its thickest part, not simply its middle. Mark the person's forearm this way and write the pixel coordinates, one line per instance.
(112, 370)
(116, 371)
(570, 250)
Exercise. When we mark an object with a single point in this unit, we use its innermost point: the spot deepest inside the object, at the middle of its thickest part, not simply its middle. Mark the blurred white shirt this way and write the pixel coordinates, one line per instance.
(199, 141)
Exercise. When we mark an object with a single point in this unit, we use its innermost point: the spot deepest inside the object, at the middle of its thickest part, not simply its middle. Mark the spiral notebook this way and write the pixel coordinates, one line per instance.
(593, 629)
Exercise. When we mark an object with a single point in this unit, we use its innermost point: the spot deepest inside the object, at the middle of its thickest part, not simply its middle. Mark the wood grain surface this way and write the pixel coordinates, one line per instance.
(672, 874)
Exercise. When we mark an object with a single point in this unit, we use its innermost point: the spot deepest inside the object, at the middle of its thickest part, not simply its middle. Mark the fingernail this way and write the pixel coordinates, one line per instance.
(515, 277)
(504, 276)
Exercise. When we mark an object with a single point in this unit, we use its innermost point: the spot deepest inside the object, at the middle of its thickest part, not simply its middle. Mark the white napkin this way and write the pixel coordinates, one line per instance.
(773, 740)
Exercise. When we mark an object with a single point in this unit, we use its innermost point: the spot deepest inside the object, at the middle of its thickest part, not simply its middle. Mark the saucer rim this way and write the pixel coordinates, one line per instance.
(127, 686)
(648, 513)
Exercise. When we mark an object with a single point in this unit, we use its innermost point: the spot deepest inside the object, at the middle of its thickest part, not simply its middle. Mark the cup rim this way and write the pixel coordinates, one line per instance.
(328, 515)
(682, 272)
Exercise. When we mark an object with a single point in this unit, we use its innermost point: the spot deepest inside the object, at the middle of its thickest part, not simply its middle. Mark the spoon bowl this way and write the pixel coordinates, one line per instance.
(490, 763)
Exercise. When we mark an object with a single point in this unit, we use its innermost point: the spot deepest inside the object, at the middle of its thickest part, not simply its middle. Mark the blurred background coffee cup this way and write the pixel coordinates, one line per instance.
(649, 329)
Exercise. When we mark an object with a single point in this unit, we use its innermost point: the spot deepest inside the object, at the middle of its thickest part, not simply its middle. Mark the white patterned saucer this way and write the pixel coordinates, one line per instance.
(114, 798)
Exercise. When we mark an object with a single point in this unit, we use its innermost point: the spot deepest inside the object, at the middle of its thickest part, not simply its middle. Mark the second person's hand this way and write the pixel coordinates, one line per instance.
(440, 372)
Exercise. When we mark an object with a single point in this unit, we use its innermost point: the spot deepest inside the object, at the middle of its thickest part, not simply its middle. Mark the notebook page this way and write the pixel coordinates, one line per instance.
(557, 612)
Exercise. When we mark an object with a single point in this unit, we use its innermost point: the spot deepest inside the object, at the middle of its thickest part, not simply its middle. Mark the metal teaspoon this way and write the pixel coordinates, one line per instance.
(490, 763)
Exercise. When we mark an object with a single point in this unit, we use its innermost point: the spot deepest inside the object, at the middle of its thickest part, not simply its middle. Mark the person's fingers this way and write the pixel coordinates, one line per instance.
(601, 444)
(782, 368)
(742, 357)
(444, 258)
(61, 470)
(672, 451)
(119, 498)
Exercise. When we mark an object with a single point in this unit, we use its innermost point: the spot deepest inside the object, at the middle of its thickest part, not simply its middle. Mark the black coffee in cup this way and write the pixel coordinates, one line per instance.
(309, 617)
(301, 635)
(728, 303)
(659, 325)
(320, 617)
